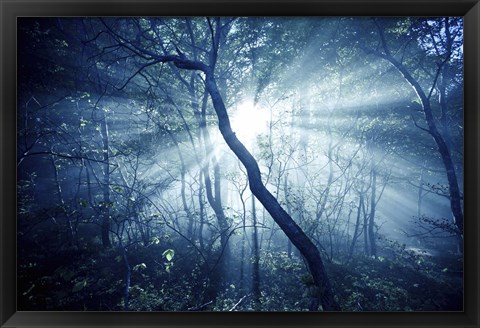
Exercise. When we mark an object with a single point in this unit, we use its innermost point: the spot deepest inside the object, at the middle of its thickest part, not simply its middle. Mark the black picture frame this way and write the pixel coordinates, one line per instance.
(10, 10)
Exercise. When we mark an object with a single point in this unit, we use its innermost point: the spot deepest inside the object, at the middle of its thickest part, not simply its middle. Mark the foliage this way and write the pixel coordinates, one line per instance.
(383, 284)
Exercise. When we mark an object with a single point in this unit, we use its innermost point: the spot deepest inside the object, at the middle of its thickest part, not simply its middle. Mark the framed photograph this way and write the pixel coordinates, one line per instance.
(224, 163)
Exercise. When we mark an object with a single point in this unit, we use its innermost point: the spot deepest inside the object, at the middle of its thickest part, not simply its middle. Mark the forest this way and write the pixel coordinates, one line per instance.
(240, 164)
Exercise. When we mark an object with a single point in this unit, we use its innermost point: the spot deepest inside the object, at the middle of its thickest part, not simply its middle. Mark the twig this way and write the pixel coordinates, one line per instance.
(237, 304)
(198, 308)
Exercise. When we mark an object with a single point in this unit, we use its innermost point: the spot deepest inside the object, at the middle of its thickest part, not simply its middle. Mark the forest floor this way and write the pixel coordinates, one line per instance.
(95, 280)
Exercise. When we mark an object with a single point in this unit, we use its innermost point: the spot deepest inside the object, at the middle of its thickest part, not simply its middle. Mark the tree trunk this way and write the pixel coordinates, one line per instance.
(215, 203)
(214, 192)
(105, 224)
(256, 261)
(281, 217)
(289, 211)
(201, 212)
(421, 182)
(61, 201)
(356, 232)
(183, 169)
(371, 221)
(365, 231)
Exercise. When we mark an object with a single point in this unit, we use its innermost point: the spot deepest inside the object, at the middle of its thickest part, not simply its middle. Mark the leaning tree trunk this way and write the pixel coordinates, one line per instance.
(289, 211)
(306, 247)
(281, 217)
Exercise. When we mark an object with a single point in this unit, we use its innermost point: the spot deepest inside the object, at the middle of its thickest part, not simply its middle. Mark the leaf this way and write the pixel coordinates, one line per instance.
(169, 254)
(79, 286)
(140, 266)
(29, 290)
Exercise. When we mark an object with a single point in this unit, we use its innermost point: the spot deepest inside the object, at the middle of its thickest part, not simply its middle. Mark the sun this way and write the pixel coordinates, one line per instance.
(248, 121)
